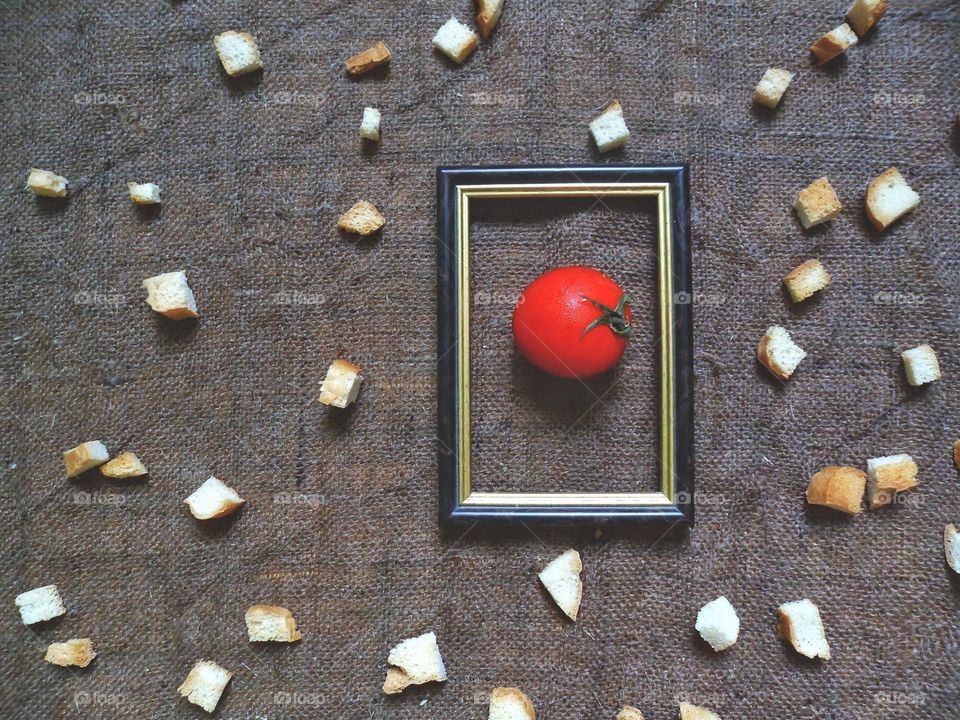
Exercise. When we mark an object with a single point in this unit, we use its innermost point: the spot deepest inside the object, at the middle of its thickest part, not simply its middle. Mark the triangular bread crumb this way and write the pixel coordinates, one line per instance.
(213, 500)
(510, 703)
(415, 661)
(362, 219)
(124, 465)
(561, 578)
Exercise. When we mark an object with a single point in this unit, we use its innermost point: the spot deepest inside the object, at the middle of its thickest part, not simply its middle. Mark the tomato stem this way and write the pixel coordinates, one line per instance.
(614, 318)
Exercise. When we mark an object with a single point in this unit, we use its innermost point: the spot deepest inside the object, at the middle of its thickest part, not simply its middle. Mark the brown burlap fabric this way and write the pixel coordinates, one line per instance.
(340, 522)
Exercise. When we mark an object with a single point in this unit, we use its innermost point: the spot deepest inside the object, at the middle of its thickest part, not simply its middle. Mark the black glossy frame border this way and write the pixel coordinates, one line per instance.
(451, 512)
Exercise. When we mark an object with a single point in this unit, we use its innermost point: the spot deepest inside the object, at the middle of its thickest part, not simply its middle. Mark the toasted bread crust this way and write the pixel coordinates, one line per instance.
(372, 57)
(838, 487)
(501, 694)
(763, 356)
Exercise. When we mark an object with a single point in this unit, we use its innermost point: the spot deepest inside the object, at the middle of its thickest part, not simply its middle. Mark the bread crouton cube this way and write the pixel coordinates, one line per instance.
(818, 203)
(125, 465)
(629, 712)
(362, 219)
(833, 44)
(838, 487)
(889, 198)
(806, 279)
(341, 385)
(778, 353)
(718, 624)
(921, 365)
(696, 712)
(205, 684)
(370, 125)
(886, 476)
(47, 184)
(801, 625)
(864, 14)
(414, 662)
(956, 453)
(238, 52)
(213, 500)
(510, 703)
(170, 295)
(40, 604)
(77, 652)
(488, 13)
(772, 86)
(269, 623)
(609, 129)
(455, 40)
(372, 57)
(951, 547)
(144, 193)
(84, 457)
(561, 578)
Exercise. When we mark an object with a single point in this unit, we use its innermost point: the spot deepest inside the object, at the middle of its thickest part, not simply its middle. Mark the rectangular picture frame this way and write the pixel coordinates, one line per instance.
(668, 186)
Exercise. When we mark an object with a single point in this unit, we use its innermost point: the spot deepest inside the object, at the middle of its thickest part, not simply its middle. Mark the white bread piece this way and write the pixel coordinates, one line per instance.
(772, 86)
(834, 43)
(806, 279)
(205, 684)
(362, 219)
(696, 712)
(921, 365)
(46, 183)
(488, 13)
(78, 652)
(864, 14)
(629, 712)
(718, 624)
(817, 203)
(372, 57)
(455, 40)
(144, 193)
(561, 578)
(269, 623)
(510, 703)
(341, 385)
(778, 353)
(213, 500)
(124, 465)
(886, 476)
(370, 125)
(889, 198)
(608, 129)
(85, 456)
(413, 662)
(801, 625)
(40, 604)
(951, 547)
(238, 52)
(838, 487)
(170, 295)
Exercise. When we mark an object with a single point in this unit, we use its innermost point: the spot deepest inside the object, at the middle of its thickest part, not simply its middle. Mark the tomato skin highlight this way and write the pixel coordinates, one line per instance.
(552, 314)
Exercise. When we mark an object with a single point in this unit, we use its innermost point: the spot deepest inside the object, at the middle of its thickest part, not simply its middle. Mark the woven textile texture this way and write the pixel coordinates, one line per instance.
(340, 521)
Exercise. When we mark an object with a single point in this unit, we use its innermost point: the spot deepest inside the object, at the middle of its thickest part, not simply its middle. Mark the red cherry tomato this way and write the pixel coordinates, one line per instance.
(572, 322)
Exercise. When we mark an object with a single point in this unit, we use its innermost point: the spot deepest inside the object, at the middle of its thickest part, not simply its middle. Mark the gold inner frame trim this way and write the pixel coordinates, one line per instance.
(660, 191)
